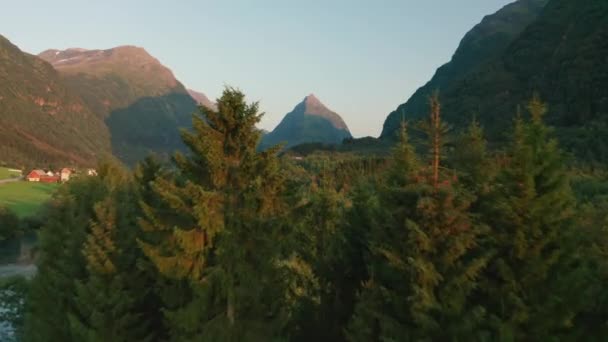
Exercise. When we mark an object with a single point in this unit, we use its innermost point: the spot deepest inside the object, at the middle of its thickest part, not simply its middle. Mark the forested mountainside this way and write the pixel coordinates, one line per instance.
(485, 42)
(142, 103)
(562, 55)
(309, 122)
(41, 121)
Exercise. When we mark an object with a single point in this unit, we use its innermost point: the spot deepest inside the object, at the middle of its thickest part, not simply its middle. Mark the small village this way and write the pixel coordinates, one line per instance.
(62, 176)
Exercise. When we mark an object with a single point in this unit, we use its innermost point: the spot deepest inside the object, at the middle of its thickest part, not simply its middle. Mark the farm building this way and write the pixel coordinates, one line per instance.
(50, 179)
(66, 174)
(35, 175)
(42, 177)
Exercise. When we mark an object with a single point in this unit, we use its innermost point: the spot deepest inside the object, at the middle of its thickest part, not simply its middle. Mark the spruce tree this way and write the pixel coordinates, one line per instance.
(424, 263)
(471, 161)
(530, 211)
(110, 301)
(326, 261)
(161, 292)
(220, 231)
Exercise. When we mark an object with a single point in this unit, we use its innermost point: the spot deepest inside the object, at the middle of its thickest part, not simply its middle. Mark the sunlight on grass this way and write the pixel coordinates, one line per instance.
(25, 198)
(6, 173)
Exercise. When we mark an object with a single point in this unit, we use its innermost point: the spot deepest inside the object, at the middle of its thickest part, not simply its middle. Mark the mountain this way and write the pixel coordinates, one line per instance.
(201, 99)
(140, 100)
(310, 121)
(562, 56)
(487, 41)
(41, 121)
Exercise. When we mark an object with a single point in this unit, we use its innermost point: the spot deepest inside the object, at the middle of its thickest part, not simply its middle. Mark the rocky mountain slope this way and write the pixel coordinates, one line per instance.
(310, 121)
(140, 100)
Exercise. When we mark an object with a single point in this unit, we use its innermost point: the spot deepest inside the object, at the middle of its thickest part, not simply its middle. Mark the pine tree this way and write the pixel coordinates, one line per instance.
(424, 264)
(530, 212)
(220, 229)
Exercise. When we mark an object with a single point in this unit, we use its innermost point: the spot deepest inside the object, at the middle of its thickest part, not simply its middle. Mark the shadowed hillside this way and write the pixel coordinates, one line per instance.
(150, 125)
(139, 98)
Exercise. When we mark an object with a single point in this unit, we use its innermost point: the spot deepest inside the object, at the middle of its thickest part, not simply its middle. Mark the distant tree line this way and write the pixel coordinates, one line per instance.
(450, 242)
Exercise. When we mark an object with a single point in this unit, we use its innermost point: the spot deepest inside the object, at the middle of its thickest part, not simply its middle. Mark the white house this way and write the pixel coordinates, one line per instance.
(65, 174)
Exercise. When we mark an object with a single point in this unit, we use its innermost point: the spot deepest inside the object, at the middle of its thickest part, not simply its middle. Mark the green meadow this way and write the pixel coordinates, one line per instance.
(25, 198)
(6, 173)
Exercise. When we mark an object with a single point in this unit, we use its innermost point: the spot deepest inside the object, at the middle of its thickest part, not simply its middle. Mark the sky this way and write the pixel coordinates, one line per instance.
(360, 58)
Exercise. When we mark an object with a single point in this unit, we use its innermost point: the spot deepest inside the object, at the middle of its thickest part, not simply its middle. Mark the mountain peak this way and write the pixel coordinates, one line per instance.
(311, 97)
(311, 105)
(310, 121)
(144, 74)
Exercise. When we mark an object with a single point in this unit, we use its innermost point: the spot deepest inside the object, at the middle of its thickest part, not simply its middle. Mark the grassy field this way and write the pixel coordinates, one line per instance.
(5, 173)
(25, 198)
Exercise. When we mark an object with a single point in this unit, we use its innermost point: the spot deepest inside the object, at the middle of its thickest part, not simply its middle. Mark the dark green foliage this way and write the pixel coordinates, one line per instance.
(367, 146)
(530, 213)
(474, 166)
(110, 301)
(326, 261)
(219, 229)
(90, 285)
(591, 321)
(9, 224)
(459, 243)
(60, 261)
(423, 263)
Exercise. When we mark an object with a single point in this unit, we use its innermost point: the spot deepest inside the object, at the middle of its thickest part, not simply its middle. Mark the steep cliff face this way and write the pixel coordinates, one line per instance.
(41, 121)
(310, 121)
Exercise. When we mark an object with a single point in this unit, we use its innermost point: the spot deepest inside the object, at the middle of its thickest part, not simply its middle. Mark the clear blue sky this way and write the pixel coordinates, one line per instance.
(361, 58)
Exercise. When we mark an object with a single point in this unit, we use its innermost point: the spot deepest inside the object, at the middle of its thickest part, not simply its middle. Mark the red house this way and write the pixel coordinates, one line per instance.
(42, 177)
(50, 179)
(35, 175)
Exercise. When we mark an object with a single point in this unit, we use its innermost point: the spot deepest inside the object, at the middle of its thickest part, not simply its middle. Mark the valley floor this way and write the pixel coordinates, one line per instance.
(25, 198)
